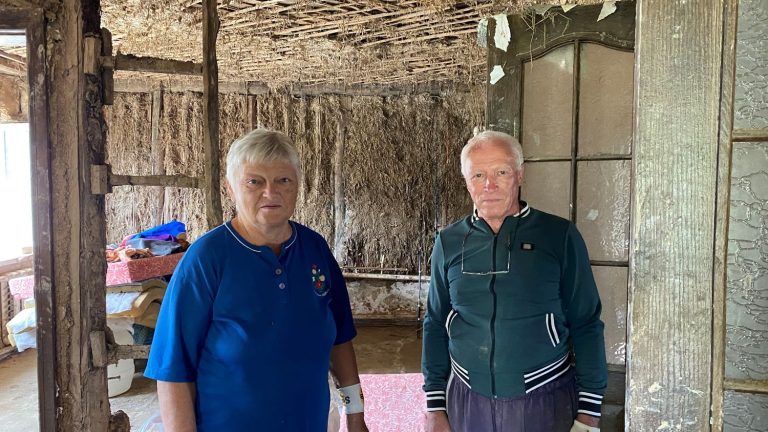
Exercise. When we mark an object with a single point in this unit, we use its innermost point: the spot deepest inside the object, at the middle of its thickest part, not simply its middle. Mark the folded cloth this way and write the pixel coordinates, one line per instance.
(138, 287)
(128, 254)
(135, 304)
(24, 321)
(167, 231)
(24, 340)
(113, 255)
(120, 302)
(157, 247)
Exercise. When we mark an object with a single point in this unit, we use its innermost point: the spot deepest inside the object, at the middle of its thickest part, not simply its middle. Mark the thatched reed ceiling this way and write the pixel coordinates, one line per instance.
(321, 41)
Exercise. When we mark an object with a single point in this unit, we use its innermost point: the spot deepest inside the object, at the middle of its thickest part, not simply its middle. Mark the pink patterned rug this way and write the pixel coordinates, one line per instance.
(393, 402)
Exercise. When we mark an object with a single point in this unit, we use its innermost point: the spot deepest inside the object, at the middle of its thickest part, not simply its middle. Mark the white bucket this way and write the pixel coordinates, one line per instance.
(120, 375)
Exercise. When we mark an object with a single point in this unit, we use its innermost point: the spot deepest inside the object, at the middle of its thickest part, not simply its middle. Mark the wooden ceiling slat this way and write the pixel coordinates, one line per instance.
(318, 40)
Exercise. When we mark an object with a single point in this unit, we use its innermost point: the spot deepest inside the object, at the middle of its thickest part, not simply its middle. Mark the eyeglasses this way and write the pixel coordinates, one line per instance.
(489, 272)
(501, 175)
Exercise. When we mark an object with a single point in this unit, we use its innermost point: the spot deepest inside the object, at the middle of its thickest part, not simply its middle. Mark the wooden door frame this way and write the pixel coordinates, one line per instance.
(33, 22)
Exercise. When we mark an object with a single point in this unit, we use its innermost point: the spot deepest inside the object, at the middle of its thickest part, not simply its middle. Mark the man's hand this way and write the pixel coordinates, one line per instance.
(356, 423)
(586, 423)
(437, 421)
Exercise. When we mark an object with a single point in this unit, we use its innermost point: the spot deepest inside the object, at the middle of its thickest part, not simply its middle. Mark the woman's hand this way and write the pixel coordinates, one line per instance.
(356, 423)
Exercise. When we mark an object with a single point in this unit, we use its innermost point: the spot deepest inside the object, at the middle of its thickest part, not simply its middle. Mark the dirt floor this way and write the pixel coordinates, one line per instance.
(379, 350)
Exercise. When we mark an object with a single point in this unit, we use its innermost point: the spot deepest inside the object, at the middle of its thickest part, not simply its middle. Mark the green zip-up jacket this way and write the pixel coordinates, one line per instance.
(508, 312)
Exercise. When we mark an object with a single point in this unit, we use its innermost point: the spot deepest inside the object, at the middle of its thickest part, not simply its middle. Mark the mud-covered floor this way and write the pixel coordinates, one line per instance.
(384, 349)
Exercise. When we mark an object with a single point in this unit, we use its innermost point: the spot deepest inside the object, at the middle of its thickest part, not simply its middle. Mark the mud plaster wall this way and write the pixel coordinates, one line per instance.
(14, 100)
(400, 170)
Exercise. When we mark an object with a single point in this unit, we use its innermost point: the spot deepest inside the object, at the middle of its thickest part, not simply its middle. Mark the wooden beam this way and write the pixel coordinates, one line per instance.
(154, 180)
(158, 152)
(10, 66)
(120, 352)
(675, 169)
(13, 57)
(750, 135)
(103, 180)
(211, 181)
(746, 386)
(129, 62)
(16, 264)
(132, 85)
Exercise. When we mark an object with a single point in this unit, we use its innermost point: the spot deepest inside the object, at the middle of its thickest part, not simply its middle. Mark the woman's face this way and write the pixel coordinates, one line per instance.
(265, 193)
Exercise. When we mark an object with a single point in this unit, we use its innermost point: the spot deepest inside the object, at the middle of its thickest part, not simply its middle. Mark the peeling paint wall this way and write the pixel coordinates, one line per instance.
(388, 300)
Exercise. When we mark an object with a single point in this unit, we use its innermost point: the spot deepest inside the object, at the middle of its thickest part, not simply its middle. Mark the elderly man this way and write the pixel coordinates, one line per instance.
(512, 301)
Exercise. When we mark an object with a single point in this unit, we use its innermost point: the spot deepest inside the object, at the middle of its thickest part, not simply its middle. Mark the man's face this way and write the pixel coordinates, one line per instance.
(265, 193)
(493, 180)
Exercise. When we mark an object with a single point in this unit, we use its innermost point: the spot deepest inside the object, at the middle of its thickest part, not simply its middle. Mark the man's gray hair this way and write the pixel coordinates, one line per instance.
(487, 136)
(261, 146)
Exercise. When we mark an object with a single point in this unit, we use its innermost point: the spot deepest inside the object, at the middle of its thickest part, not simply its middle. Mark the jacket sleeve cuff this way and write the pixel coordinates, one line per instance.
(436, 400)
(590, 403)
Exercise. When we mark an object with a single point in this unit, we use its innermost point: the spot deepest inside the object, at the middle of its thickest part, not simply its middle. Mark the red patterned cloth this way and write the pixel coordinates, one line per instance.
(118, 273)
(22, 287)
(393, 402)
(138, 270)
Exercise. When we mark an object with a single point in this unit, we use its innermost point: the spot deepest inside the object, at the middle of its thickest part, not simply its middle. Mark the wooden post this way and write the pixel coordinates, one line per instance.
(723, 210)
(339, 207)
(287, 113)
(107, 74)
(211, 115)
(158, 153)
(675, 166)
(252, 112)
(48, 371)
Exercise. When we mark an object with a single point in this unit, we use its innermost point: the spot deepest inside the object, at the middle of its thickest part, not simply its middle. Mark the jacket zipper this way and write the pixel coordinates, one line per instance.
(493, 322)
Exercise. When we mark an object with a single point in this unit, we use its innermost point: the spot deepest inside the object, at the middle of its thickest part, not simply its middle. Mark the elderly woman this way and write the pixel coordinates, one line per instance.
(256, 312)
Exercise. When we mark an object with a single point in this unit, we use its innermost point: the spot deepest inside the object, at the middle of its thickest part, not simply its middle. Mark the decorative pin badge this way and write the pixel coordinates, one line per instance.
(318, 281)
(527, 246)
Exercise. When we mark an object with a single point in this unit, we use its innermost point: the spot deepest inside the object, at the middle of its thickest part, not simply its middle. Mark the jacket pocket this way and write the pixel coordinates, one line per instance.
(449, 320)
(551, 327)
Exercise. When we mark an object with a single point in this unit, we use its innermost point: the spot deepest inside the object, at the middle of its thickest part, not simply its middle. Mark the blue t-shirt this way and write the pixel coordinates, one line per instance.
(253, 331)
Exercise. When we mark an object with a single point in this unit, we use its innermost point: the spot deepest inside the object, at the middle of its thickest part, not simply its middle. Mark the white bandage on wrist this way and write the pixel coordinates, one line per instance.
(352, 399)
(581, 427)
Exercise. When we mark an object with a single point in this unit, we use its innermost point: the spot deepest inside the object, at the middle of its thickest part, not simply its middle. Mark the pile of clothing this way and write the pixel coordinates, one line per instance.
(161, 240)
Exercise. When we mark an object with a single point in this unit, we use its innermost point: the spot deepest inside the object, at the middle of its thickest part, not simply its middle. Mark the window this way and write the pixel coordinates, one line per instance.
(16, 190)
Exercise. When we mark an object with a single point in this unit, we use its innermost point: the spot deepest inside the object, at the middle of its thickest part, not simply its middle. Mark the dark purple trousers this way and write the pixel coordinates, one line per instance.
(550, 408)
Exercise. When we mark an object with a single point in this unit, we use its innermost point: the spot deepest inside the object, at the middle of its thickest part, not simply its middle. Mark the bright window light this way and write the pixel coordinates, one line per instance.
(15, 190)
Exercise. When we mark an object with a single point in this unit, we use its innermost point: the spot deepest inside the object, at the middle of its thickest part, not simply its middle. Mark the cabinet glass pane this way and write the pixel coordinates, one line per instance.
(612, 284)
(744, 412)
(605, 100)
(746, 352)
(602, 211)
(546, 187)
(548, 104)
(751, 98)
